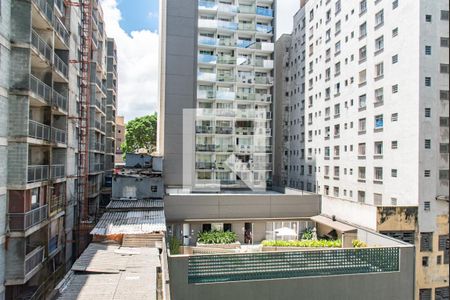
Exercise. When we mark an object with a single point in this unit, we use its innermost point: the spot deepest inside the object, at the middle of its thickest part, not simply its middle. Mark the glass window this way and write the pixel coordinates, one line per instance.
(378, 121)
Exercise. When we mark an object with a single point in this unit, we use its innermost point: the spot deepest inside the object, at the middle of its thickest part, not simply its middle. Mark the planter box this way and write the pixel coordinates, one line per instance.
(236, 245)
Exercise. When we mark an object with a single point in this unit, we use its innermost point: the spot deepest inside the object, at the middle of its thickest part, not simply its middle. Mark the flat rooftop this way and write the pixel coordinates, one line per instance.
(110, 272)
(235, 192)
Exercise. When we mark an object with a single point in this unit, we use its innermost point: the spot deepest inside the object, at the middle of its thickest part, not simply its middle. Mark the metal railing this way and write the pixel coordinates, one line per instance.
(41, 89)
(33, 259)
(59, 101)
(207, 148)
(38, 130)
(45, 8)
(273, 265)
(23, 221)
(61, 66)
(58, 171)
(61, 30)
(203, 129)
(57, 204)
(58, 135)
(204, 165)
(40, 45)
(37, 173)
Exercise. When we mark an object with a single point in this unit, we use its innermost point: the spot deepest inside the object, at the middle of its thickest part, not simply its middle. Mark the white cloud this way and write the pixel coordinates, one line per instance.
(286, 10)
(137, 65)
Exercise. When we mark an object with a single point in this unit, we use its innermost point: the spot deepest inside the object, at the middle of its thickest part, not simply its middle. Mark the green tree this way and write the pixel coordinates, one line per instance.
(140, 133)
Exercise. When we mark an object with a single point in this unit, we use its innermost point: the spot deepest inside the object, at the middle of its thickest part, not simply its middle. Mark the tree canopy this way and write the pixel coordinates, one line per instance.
(140, 133)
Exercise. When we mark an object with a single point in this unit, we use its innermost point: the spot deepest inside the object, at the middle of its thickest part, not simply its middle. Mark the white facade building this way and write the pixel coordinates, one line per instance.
(367, 89)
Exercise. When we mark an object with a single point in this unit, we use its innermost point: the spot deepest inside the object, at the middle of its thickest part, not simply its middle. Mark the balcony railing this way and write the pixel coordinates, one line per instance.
(224, 130)
(247, 9)
(40, 45)
(207, 59)
(37, 173)
(40, 89)
(59, 101)
(38, 131)
(203, 40)
(58, 171)
(225, 95)
(202, 94)
(226, 60)
(58, 136)
(264, 28)
(224, 148)
(203, 129)
(33, 260)
(61, 66)
(267, 12)
(204, 76)
(61, 30)
(204, 165)
(23, 221)
(227, 25)
(57, 204)
(247, 26)
(225, 78)
(207, 5)
(205, 148)
(45, 8)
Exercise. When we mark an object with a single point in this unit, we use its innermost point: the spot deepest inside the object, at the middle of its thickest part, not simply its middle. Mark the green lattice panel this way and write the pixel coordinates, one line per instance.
(272, 265)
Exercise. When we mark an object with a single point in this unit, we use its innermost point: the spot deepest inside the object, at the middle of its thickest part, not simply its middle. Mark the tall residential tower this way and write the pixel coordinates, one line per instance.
(217, 58)
(364, 91)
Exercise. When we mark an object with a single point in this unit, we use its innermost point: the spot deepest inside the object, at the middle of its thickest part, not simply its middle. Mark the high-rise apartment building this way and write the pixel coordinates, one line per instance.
(364, 91)
(217, 58)
(39, 142)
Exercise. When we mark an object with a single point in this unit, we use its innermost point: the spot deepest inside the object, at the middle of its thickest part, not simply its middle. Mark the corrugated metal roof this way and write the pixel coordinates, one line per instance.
(133, 274)
(135, 204)
(132, 222)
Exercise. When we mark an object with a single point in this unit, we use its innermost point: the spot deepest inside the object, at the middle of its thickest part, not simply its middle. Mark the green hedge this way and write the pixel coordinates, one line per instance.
(305, 243)
(216, 237)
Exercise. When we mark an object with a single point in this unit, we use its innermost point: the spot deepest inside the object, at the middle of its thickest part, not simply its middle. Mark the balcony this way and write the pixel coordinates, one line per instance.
(59, 101)
(203, 94)
(224, 130)
(247, 9)
(224, 42)
(45, 9)
(38, 131)
(264, 63)
(225, 78)
(266, 12)
(205, 148)
(264, 28)
(33, 260)
(41, 46)
(224, 148)
(209, 5)
(264, 80)
(57, 204)
(226, 8)
(61, 31)
(204, 129)
(40, 89)
(58, 171)
(206, 76)
(207, 59)
(225, 95)
(207, 41)
(229, 26)
(207, 24)
(61, 66)
(24, 221)
(58, 136)
(245, 96)
(37, 173)
(226, 60)
(204, 165)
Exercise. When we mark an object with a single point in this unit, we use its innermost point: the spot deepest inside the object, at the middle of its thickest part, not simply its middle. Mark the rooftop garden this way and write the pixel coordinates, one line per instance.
(305, 243)
(216, 237)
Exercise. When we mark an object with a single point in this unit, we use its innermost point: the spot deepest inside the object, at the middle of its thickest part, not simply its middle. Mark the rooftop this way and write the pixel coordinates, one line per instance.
(105, 272)
(131, 222)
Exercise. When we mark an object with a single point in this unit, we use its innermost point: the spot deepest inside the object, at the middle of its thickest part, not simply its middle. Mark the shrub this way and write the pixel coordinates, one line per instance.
(216, 237)
(359, 244)
(307, 234)
(174, 245)
(305, 243)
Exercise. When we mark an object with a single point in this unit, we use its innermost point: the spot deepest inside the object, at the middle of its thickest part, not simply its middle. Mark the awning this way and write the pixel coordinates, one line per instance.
(338, 226)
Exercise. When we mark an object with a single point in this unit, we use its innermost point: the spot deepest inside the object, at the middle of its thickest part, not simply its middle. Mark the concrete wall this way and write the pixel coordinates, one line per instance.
(178, 76)
(137, 187)
(389, 286)
(5, 7)
(229, 206)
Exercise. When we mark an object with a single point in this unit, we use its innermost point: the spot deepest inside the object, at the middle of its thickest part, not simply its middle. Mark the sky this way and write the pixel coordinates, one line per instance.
(134, 26)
